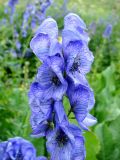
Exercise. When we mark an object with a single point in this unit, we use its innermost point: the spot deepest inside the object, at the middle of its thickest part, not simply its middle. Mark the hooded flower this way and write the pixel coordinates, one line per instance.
(77, 55)
(65, 137)
(61, 142)
(17, 148)
(50, 78)
(45, 43)
(74, 29)
(78, 61)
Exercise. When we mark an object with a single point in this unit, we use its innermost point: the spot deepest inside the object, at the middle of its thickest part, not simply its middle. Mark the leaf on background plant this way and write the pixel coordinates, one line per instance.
(107, 151)
(107, 106)
(96, 79)
(109, 77)
(115, 130)
(114, 108)
(92, 145)
(108, 100)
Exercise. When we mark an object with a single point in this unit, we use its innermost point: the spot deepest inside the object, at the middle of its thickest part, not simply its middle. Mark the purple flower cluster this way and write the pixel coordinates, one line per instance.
(108, 31)
(62, 73)
(18, 149)
(11, 5)
(34, 14)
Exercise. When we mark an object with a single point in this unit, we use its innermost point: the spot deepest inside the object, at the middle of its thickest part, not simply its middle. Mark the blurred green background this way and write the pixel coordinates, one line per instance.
(16, 74)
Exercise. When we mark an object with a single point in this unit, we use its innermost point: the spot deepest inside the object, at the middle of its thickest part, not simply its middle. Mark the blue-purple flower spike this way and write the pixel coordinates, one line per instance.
(62, 73)
(108, 31)
(11, 5)
(34, 14)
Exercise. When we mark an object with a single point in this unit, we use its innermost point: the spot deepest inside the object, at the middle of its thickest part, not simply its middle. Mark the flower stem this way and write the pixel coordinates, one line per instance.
(69, 112)
(45, 150)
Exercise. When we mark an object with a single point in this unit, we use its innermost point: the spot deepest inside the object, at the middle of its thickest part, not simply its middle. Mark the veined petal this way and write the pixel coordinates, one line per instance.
(88, 121)
(67, 37)
(73, 48)
(73, 21)
(56, 63)
(71, 35)
(49, 27)
(75, 130)
(55, 48)
(40, 45)
(36, 119)
(79, 149)
(77, 79)
(65, 152)
(35, 91)
(44, 76)
(38, 104)
(79, 99)
(59, 91)
(60, 112)
(91, 100)
(40, 130)
(43, 107)
(28, 151)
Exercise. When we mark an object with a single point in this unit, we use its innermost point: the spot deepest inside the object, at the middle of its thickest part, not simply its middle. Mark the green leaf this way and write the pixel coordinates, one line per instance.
(115, 130)
(100, 80)
(107, 151)
(92, 145)
(108, 100)
(109, 77)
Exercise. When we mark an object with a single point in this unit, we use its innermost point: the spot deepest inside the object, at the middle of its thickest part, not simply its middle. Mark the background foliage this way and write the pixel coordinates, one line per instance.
(16, 74)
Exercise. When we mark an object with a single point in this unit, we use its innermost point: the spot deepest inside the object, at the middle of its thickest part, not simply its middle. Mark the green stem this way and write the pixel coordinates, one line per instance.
(69, 112)
(45, 150)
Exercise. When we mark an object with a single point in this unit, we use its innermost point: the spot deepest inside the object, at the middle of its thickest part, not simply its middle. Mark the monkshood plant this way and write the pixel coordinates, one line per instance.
(62, 74)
